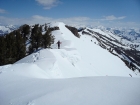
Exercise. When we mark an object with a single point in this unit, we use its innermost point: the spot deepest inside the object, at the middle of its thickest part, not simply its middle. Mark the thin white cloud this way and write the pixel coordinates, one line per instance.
(14, 21)
(48, 4)
(2, 11)
(73, 21)
(122, 17)
(112, 17)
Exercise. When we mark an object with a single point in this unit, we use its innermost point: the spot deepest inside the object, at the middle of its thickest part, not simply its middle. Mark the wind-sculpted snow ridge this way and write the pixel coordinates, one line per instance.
(77, 57)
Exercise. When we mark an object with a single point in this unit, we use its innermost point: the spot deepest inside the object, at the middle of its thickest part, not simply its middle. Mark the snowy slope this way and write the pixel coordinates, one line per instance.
(51, 76)
(76, 58)
(18, 90)
(116, 46)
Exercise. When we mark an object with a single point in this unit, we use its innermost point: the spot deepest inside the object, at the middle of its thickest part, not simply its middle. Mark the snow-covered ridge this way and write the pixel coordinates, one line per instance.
(78, 57)
(129, 34)
(79, 73)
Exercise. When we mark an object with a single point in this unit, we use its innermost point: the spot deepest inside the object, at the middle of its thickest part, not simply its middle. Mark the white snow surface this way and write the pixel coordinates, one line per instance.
(16, 90)
(80, 73)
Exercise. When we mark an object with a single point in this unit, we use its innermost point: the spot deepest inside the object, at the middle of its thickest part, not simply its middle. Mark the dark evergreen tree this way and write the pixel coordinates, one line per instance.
(2, 50)
(48, 39)
(45, 28)
(40, 28)
(20, 46)
(36, 37)
(26, 32)
(26, 29)
(30, 49)
(38, 40)
(11, 48)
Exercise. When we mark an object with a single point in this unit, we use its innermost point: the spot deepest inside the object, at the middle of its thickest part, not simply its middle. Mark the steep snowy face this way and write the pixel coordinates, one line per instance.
(126, 50)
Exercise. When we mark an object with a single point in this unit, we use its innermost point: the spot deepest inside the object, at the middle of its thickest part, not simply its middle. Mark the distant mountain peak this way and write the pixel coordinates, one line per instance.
(5, 29)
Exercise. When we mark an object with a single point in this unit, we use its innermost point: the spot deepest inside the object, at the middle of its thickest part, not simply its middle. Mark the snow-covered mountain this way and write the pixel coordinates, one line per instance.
(5, 29)
(92, 69)
(132, 35)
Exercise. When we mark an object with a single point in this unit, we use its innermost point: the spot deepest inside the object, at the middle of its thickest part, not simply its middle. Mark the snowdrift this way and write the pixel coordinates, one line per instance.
(76, 91)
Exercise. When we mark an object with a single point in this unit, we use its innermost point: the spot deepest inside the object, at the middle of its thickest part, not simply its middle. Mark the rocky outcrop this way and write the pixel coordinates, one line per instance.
(73, 30)
(54, 28)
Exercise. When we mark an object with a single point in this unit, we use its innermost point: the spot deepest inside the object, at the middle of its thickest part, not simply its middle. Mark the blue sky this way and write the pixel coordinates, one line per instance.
(110, 13)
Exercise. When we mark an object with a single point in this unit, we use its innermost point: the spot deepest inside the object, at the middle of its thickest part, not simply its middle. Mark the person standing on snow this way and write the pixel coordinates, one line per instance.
(58, 43)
